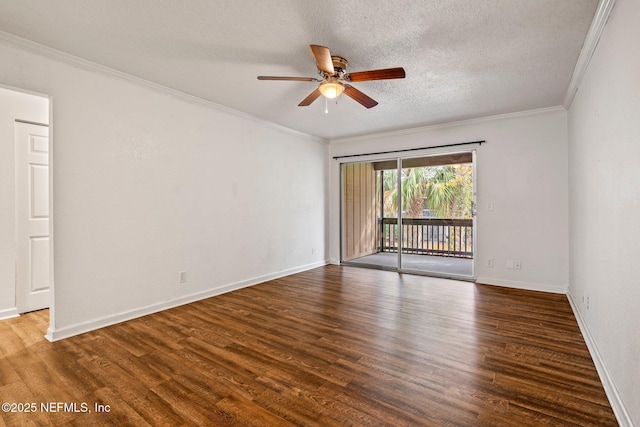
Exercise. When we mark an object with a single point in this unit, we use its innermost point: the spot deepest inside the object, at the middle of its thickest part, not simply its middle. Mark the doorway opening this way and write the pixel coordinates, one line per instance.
(25, 237)
(414, 215)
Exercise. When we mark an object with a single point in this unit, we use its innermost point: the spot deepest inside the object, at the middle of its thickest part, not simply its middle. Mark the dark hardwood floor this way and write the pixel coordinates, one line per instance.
(334, 346)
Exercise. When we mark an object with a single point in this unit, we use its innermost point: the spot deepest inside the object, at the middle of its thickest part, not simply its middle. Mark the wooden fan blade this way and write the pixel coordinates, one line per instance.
(384, 74)
(358, 96)
(309, 99)
(323, 59)
(295, 79)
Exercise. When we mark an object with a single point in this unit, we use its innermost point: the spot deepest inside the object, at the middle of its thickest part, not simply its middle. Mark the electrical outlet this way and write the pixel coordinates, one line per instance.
(588, 304)
(490, 207)
(513, 264)
(490, 262)
(182, 277)
(313, 251)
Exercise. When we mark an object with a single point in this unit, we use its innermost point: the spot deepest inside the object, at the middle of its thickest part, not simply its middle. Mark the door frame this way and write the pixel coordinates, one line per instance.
(399, 158)
(16, 117)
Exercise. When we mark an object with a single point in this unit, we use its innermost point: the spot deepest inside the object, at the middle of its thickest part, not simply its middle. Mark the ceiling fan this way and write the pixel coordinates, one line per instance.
(335, 79)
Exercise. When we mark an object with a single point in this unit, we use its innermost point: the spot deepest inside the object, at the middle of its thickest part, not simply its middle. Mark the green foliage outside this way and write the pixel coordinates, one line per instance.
(447, 190)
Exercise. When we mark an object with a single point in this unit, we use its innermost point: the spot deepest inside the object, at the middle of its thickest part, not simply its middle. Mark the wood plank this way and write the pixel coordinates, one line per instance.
(331, 346)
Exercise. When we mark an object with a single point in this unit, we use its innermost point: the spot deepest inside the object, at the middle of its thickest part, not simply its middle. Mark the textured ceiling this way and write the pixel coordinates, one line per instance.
(463, 58)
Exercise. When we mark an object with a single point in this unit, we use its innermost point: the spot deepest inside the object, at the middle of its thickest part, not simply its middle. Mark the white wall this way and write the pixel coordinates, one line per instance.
(522, 170)
(13, 105)
(604, 150)
(148, 183)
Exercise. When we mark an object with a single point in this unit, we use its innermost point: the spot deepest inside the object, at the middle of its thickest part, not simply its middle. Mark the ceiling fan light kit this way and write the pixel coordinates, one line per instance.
(331, 88)
(333, 70)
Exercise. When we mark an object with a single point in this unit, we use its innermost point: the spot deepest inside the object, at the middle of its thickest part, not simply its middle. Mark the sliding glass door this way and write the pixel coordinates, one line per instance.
(365, 237)
(414, 215)
(437, 215)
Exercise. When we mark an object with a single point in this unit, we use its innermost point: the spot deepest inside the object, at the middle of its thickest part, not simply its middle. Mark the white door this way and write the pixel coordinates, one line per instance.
(32, 217)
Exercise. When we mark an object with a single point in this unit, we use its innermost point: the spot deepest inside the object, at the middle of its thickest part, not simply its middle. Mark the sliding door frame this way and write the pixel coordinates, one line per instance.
(474, 205)
(399, 159)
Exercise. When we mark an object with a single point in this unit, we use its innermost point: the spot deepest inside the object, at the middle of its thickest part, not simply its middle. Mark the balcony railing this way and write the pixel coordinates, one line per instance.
(427, 236)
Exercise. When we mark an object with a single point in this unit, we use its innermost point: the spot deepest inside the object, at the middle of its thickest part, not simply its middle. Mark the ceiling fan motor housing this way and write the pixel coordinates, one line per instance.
(339, 63)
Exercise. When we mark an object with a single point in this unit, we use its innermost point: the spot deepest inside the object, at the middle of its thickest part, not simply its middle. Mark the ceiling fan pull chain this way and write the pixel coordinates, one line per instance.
(326, 105)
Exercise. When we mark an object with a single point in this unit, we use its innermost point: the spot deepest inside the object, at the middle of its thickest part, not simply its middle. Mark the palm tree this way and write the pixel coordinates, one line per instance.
(447, 190)
(413, 187)
(439, 191)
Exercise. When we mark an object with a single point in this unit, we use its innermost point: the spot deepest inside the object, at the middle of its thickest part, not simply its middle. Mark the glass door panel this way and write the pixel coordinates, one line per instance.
(437, 215)
(368, 228)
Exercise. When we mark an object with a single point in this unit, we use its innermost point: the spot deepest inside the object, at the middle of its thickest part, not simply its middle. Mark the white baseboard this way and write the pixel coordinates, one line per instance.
(623, 417)
(529, 286)
(9, 313)
(56, 334)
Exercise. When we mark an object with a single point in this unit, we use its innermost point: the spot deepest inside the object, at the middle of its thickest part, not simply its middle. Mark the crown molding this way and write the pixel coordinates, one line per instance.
(506, 116)
(75, 61)
(600, 19)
